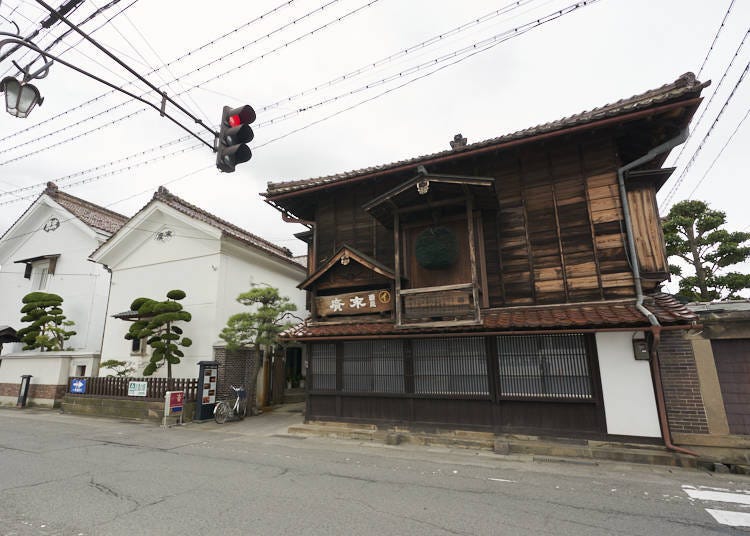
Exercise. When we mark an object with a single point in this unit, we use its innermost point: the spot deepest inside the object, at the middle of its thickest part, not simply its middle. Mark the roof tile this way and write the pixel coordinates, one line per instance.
(614, 314)
(683, 87)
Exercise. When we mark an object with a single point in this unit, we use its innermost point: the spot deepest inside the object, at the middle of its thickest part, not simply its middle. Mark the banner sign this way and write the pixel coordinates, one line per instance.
(208, 395)
(354, 303)
(137, 388)
(174, 402)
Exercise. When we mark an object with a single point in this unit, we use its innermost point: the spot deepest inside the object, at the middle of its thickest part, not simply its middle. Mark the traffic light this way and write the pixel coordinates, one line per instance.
(234, 133)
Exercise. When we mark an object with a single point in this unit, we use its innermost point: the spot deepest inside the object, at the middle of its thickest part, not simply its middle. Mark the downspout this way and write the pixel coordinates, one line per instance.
(655, 326)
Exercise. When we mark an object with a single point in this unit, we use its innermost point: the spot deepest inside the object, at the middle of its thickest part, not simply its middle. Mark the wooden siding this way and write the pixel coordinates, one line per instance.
(649, 238)
(557, 236)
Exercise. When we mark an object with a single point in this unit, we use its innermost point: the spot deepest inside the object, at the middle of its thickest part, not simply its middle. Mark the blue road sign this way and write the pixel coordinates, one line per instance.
(78, 386)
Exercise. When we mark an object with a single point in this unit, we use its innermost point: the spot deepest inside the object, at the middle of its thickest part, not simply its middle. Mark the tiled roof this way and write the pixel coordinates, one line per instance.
(227, 229)
(89, 213)
(92, 215)
(685, 86)
(613, 314)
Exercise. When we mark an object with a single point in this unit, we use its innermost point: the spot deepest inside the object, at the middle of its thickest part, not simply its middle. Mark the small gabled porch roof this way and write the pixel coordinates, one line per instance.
(431, 190)
(348, 252)
(8, 334)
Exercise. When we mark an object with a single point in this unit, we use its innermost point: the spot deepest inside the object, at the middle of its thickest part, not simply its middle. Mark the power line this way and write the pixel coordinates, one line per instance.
(485, 45)
(716, 37)
(539, 22)
(713, 95)
(401, 53)
(210, 43)
(705, 137)
(125, 103)
(114, 172)
(726, 143)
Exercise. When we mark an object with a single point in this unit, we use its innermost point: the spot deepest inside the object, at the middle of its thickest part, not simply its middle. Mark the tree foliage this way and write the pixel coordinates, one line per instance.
(260, 327)
(693, 232)
(122, 369)
(155, 323)
(47, 330)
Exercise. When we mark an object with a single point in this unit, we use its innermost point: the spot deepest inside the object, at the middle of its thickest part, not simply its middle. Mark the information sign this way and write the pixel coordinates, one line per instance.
(137, 388)
(78, 386)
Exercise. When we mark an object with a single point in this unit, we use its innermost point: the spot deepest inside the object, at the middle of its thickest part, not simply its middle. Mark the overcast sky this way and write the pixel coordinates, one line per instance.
(289, 66)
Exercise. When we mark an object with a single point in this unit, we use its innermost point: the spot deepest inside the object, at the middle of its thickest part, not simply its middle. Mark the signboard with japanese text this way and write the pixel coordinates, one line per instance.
(174, 402)
(137, 388)
(354, 303)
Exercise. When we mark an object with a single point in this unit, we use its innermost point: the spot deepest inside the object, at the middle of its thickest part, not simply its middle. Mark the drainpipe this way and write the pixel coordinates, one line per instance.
(655, 326)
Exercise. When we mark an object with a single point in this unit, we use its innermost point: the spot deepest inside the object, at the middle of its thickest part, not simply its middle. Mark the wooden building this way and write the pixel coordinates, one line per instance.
(506, 285)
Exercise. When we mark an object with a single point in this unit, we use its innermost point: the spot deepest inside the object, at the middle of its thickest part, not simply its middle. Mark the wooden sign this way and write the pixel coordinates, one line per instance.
(354, 303)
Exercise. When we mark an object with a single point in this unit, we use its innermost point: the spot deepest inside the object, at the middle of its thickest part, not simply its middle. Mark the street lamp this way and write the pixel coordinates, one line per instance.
(20, 97)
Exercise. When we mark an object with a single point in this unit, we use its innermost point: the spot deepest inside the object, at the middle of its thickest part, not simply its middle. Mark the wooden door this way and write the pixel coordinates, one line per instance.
(732, 358)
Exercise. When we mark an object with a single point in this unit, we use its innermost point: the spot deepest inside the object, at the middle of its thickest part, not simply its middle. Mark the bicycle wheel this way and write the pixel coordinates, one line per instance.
(221, 412)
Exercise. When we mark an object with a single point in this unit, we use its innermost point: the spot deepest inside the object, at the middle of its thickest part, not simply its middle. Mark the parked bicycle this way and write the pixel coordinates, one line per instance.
(223, 412)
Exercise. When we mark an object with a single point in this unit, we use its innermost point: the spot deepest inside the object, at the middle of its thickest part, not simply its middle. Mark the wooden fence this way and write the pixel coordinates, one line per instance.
(117, 387)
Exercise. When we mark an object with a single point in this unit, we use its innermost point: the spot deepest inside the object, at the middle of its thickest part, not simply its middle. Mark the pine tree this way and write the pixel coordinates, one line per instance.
(156, 324)
(260, 327)
(693, 232)
(47, 330)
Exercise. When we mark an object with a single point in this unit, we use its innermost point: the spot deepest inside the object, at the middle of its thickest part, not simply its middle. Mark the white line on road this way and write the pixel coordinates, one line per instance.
(732, 519)
(716, 496)
(501, 480)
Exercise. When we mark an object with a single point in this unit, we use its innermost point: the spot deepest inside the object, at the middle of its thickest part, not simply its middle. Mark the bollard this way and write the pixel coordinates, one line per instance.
(23, 391)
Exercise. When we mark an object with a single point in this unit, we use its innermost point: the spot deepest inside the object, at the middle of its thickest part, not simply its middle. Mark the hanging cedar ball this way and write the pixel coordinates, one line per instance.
(436, 248)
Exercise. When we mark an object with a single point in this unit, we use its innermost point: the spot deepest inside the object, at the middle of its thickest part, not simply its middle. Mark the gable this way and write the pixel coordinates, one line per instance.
(349, 268)
(44, 227)
(158, 234)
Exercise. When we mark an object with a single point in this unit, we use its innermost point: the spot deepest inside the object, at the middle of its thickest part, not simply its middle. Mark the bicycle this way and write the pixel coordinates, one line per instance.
(223, 412)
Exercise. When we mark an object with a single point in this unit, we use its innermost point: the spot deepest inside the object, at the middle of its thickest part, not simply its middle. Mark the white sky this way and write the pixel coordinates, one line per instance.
(598, 54)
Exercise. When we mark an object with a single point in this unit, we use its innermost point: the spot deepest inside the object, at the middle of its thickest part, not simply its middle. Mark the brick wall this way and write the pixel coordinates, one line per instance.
(679, 376)
(36, 391)
(235, 368)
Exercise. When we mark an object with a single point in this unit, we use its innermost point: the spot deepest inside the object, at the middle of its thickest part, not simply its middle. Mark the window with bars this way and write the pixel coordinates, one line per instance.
(547, 366)
(373, 366)
(450, 366)
(323, 366)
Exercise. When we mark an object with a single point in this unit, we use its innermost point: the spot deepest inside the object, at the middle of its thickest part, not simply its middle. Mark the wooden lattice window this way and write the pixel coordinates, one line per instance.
(450, 366)
(373, 366)
(544, 366)
(323, 366)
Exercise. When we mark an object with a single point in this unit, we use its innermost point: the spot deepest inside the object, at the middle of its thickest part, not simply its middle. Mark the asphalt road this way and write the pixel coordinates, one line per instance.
(69, 475)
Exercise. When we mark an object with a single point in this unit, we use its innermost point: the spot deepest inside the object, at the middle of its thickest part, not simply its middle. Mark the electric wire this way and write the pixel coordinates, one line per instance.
(697, 151)
(332, 82)
(490, 43)
(716, 37)
(724, 146)
(711, 99)
(180, 58)
(130, 115)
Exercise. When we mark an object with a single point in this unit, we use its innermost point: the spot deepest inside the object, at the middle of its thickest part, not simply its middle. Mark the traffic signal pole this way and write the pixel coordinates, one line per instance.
(22, 42)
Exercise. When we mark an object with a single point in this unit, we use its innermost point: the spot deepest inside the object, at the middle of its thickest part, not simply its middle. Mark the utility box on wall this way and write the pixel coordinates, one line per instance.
(640, 349)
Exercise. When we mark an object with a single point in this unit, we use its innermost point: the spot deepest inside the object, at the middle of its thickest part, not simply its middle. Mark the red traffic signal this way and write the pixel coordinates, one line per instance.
(234, 134)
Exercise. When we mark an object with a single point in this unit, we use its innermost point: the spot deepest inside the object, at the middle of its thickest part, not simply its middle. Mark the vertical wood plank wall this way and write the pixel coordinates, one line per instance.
(558, 235)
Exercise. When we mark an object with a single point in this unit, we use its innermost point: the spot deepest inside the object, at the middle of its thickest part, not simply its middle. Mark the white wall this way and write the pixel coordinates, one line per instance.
(628, 391)
(188, 261)
(83, 285)
(241, 268)
(211, 269)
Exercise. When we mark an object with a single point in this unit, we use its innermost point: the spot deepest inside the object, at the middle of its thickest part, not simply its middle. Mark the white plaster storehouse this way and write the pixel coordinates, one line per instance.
(172, 244)
(47, 249)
